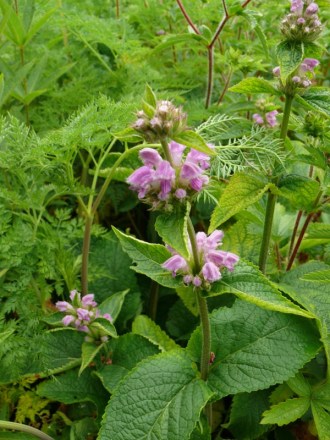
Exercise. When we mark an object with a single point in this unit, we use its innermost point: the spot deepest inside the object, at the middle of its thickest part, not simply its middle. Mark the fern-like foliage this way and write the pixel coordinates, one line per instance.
(241, 146)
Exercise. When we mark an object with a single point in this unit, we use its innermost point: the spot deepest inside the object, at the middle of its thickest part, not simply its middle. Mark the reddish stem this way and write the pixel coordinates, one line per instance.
(186, 16)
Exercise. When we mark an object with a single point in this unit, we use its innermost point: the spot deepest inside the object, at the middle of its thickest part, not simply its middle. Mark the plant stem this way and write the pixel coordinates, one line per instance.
(85, 253)
(294, 232)
(24, 428)
(117, 9)
(186, 16)
(153, 301)
(271, 202)
(209, 89)
(166, 150)
(302, 233)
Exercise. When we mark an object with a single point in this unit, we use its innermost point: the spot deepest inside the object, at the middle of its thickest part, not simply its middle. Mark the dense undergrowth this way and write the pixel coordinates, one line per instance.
(74, 74)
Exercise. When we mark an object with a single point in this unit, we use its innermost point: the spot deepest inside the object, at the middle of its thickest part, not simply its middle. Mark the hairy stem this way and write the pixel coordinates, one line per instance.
(24, 428)
(85, 253)
(271, 202)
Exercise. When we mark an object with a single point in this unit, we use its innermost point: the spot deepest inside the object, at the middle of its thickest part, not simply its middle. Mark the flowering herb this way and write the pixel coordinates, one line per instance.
(302, 23)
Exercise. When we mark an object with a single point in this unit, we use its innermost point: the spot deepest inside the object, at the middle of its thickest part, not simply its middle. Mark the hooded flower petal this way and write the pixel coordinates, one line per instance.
(175, 263)
(211, 272)
(150, 157)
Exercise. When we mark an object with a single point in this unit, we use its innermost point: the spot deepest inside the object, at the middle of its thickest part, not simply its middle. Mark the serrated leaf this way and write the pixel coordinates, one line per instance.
(242, 191)
(172, 228)
(147, 328)
(316, 98)
(254, 85)
(88, 352)
(321, 276)
(249, 345)
(70, 388)
(193, 140)
(126, 352)
(289, 54)
(162, 399)
(286, 412)
(249, 284)
(148, 259)
(301, 191)
(113, 304)
(128, 135)
(245, 415)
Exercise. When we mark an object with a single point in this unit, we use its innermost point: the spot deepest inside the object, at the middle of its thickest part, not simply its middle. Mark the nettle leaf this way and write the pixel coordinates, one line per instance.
(254, 85)
(126, 352)
(242, 191)
(147, 328)
(316, 98)
(150, 97)
(300, 385)
(245, 415)
(193, 140)
(179, 39)
(113, 304)
(301, 191)
(70, 388)
(255, 348)
(289, 54)
(313, 296)
(172, 228)
(148, 259)
(286, 412)
(249, 284)
(162, 398)
(105, 326)
(189, 298)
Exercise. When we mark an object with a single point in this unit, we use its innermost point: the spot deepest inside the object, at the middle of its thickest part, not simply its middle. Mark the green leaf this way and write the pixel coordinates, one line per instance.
(249, 345)
(113, 304)
(172, 228)
(254, 85)
(162, 399)
(70, 388)
(189, 298)
(148, 259)
(128, 135)
(105, 326)
(301, 191)
(245, 415)
(193, 140)
(300, 385)
(38, 25)
(316, 98)
(88, 352)
(126, 352)
(320, 276)
(249, 284)
(290, 55)
(322, 420)
(15, 28)
(242, 191)
(286, 412)
(147, 328)
(150, 97)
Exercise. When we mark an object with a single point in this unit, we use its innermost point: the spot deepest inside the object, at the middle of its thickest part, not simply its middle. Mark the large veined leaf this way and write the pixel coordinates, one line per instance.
(70, 388)
(248, 283)
(286, 412)
(148, 259)
(316, 98)
(255, 348)
(162, 399)
(242, 191)
(301, 191)
(126, 351)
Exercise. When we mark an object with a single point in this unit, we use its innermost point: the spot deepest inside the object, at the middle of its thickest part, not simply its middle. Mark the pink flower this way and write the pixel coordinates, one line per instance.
(63, 306)
(175, 263)
(150, 157)
(108, 317)
(271, 118)
(277, 71)
(176, 151)
(258, 119)
(68, 319)
(88, 300)
(308, 64)
(200, 159)
(311, 9)
(211, 272)
(83, 314)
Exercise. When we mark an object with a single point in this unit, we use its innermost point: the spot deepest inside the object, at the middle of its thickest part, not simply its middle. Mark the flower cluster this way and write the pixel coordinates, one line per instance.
(165, 120)
(159, 181)
(268, 120)
(302, 23)
(302, 76)
(211, 261)
(81, 314)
